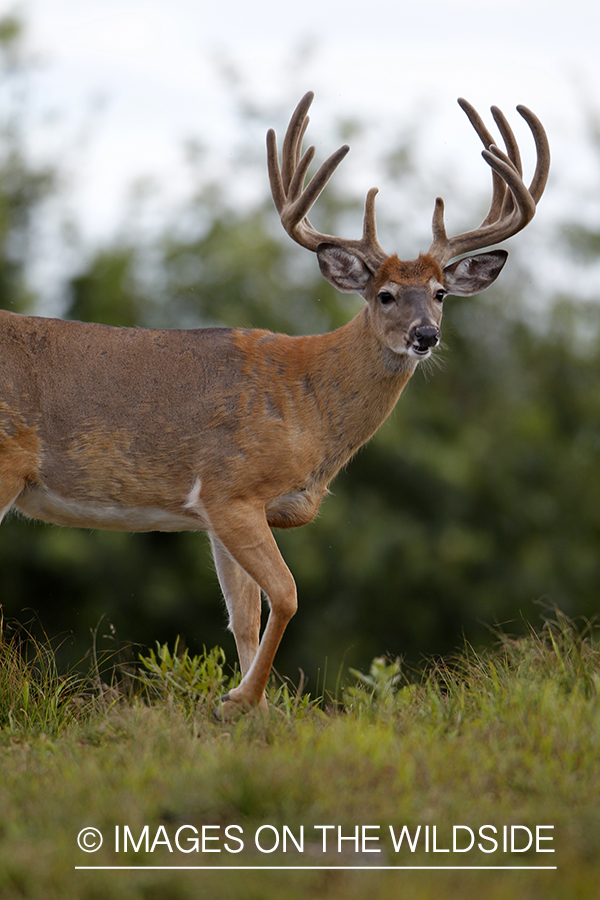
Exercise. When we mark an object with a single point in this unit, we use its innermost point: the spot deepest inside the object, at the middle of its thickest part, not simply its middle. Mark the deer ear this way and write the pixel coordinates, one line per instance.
(342, 268)
(474, 273)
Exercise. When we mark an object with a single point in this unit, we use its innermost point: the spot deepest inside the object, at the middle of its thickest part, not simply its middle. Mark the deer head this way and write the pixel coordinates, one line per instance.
(405, 298)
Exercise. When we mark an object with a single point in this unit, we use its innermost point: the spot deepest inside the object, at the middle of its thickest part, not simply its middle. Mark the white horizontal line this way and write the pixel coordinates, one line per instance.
(320, 868)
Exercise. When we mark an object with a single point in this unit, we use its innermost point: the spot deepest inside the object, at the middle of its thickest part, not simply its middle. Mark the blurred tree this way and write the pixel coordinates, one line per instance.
(106, 291)
(24, 187)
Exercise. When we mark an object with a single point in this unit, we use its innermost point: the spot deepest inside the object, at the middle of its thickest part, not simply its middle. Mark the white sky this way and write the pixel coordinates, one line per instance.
(152, 63)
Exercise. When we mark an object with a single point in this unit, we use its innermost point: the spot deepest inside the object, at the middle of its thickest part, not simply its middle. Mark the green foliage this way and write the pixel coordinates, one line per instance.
(561, 653)
(562, 659)
(292, 703)
(382, 689)
(34, 697)
(184, 679)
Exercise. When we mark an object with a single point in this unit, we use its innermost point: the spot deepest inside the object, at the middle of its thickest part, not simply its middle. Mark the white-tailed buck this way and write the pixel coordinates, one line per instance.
(231, 431)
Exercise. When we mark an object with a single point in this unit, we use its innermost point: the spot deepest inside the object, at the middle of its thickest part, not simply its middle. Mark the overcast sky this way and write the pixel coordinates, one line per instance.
(151, 62)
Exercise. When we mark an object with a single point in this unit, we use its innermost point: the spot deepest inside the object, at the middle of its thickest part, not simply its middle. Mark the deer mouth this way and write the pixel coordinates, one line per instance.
(421, 347)
(419, 351)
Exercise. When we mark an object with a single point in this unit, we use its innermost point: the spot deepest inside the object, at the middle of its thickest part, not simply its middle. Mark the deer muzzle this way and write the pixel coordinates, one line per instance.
(423, 339)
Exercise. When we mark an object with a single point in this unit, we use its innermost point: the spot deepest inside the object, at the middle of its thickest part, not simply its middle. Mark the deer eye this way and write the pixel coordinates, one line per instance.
(385, 297)
(439, 295)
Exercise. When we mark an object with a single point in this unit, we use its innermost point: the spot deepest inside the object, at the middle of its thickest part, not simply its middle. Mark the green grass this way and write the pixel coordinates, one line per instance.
(506, 738)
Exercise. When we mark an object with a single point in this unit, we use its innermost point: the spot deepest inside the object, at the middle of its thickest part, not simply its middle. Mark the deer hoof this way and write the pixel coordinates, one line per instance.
(230, 708)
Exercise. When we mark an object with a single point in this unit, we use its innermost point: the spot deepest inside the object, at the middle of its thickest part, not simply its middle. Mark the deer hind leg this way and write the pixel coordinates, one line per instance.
(242, 596)
(243, 531)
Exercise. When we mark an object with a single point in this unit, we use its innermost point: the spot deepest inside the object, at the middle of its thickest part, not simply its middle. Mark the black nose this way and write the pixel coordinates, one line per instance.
(426, 335)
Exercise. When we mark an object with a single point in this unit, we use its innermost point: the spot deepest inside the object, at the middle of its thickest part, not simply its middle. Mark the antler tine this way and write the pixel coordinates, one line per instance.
(540, 176)
(296, 185)
(510, 141)
(498, 185)
(301, 138)
(293, 200)
(275, 179)
(512, 149)
(369, 224)
(513, 204)
(292, 143)
(315, 186)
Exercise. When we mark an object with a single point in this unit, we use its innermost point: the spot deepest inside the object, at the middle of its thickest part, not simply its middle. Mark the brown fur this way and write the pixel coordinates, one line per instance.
(408, 271)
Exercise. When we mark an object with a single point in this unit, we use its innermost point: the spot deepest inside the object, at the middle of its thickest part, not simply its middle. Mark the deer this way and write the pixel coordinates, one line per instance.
(236, 431)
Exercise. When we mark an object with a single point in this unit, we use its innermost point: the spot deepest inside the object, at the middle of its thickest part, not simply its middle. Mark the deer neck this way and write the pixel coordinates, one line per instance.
(357, 381)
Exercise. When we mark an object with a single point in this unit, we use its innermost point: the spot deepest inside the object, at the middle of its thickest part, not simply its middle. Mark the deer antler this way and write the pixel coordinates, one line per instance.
(293, 200)
(513, 204)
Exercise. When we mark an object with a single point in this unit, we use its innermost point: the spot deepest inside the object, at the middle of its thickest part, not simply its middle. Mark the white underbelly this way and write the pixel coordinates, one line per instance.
(39, 503)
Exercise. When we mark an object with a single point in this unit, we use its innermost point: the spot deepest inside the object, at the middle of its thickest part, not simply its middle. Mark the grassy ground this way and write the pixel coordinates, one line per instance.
(508, 739)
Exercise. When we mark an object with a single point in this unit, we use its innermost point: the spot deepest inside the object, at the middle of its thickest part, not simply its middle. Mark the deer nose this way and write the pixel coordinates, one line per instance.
(426, 336)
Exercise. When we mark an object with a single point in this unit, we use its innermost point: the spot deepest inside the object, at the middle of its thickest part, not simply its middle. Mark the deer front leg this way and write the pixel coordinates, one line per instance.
(19, 461)
(242, 597)
(245, 536)
(9, 491)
